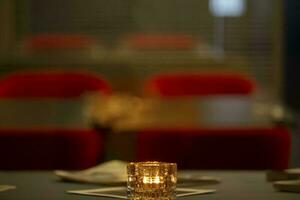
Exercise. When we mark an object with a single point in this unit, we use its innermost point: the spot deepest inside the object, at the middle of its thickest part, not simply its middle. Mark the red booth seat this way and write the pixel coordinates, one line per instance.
(51, 84)
(195, 84)
(52, 148)
(249, 148)
(49, 149)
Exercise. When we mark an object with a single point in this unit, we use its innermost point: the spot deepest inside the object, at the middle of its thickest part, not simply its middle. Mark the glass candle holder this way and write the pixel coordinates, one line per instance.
(151, 180)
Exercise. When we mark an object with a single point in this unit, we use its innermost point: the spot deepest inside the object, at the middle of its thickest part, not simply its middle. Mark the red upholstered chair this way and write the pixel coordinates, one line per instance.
(249, 148)
(50, 148)
(47, 84)
(197, 84)
(211, 148)
(160, 41)
(57, 42)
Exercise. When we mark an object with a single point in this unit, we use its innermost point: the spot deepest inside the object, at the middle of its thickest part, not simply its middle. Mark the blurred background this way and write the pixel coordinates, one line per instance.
(242, 36)
(128, 42)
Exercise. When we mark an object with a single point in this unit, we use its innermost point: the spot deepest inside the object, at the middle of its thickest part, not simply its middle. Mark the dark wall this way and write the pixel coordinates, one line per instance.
(292, 57)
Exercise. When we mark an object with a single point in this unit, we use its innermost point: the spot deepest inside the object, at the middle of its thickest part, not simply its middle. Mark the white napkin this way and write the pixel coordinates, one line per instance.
(287, 185)
(112, 172)
(287, 174)
(6, 187)
(115, 173)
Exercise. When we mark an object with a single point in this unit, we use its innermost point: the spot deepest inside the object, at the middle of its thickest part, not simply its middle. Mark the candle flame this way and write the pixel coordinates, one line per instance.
(151, 180)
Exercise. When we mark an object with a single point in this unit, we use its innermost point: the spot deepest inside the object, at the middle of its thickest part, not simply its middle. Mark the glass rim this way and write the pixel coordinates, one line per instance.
(151, 164)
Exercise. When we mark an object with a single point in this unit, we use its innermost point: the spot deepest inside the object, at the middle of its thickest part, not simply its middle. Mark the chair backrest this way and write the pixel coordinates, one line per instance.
(55, 42)
(48, 149)
(205, 148)
(51, 84)
(191, 84)
(156, 41)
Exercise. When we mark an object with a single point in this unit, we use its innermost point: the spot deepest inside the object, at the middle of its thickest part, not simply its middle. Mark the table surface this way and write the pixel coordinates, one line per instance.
(129, 113)
(235, 185)
(125, 113)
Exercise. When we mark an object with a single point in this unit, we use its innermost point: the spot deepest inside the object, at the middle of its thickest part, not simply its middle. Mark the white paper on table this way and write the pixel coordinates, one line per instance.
(288, 185)
(115, 173)
(6, 187)
(121, 192)
(112, 172)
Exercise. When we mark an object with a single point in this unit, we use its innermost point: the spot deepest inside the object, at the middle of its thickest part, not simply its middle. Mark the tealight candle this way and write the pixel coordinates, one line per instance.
(151, 180)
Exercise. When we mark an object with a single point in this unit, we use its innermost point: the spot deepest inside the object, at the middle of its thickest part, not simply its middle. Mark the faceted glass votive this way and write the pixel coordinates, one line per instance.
(151, 181)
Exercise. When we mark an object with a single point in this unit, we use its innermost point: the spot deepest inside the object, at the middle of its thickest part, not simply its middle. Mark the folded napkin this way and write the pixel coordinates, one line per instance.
(6, 187)
(115, 173)
(288, 186)
(287, 180)
(112, 172)
(287, 174)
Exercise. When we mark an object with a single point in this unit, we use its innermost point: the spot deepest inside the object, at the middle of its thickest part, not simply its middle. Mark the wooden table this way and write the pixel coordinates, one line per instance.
(236, 185)
(124, 113)
(119, 114)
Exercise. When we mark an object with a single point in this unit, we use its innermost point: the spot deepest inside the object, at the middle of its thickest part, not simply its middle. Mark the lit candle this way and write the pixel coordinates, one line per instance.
(152, 180)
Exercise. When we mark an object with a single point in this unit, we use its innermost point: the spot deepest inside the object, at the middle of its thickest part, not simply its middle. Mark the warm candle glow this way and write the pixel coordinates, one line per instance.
(151, 180)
